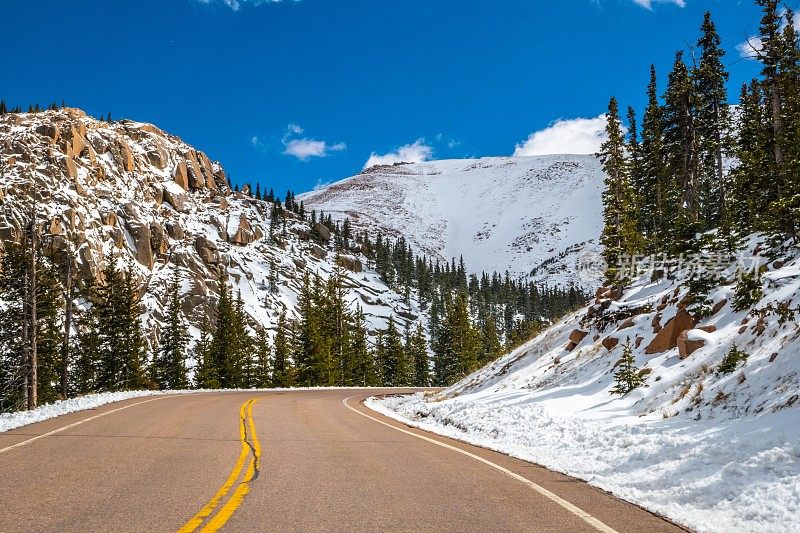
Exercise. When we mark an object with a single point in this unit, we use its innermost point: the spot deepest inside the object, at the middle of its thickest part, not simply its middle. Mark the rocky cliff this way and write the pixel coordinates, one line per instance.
(130, 191)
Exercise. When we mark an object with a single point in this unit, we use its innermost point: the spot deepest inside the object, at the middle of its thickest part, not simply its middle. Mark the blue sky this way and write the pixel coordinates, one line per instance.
(296, 93)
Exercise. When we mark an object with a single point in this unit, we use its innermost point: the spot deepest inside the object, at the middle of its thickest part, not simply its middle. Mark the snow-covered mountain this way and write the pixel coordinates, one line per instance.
(130, 191)
(500, 213)
(714, 450)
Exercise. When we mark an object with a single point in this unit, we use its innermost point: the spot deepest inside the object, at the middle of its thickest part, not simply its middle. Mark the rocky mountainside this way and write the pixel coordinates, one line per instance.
(130, 191)
(500, 213)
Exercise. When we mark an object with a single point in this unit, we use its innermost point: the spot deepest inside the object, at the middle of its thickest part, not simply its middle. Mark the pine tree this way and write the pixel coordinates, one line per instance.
(418, 354)
(680, 141)
(206, 375)
(363, 371)
(118, 330)
(223, 343)
(263, 360)
(313, 347)
(458, 344)
(241, 363)
(282, 375)
(627, 377)
(171, 359)
(13, 334)
(784, 221)
(620, 237)
(653, 186)
(490, 341)
(754, 189)
(393, 356)
(713, 125)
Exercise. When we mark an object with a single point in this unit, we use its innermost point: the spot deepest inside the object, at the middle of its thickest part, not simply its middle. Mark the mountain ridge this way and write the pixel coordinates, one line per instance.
(500, 213)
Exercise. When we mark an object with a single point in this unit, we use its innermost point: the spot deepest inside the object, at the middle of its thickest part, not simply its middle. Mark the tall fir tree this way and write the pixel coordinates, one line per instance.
(282, 375)
(170, 364)
(620, 237)
(713, 126)
(680, 141)
(653, 182)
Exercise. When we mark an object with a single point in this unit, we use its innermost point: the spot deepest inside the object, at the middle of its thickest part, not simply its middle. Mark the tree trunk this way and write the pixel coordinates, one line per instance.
(776, 120)
(67, 327)
(33, 362)
(723, 196)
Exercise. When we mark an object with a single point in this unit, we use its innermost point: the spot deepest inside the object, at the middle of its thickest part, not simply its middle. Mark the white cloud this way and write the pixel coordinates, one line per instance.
(648, 4)
(294, 128)
(237, 4)
(416, 152)
(304, 149)
(571, 136)
(750, 47)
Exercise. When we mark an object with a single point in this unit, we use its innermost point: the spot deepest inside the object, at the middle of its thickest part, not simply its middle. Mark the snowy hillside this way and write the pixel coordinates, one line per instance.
(714, 451)
(130, 191)
(500, 213)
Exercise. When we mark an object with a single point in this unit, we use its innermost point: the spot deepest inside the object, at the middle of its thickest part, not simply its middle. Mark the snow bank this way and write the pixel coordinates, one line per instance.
(9, 421)
(735, 476)
(712, 451)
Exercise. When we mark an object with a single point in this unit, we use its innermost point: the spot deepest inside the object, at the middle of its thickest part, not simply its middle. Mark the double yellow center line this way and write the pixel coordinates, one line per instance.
(251, 448)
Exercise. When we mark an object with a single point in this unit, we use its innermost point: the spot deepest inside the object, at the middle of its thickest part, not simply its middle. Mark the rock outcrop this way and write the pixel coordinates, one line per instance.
(667, 337)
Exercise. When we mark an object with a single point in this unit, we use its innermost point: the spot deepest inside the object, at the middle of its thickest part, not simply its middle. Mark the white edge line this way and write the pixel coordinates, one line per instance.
(577, 511)
(78, 423)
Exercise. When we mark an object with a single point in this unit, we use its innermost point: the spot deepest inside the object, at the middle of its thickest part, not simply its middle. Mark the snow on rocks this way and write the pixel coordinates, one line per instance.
(130, 191)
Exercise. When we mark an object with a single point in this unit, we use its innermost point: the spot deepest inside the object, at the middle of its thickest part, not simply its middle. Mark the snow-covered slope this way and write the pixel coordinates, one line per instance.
(714, 451)
(500, 213)
(130, 191)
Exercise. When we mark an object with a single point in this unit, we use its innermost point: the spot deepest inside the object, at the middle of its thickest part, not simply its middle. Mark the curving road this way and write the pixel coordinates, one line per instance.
(279, 461)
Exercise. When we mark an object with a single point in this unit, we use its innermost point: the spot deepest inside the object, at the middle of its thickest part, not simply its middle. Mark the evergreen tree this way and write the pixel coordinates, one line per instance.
(263, 360)
(418, 353)
(653, 181)
(222, 349)
(490, 341)
(282, 375)
(363, 371)
(680, 141)
(620, 237)
(206, 375)
(627, 377)
(713, 125)
(393, 356)
(458, 344)
(171, 360)
(118, 330)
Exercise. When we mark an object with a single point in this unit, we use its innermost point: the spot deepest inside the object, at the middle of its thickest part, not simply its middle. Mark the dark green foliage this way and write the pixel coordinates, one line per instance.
(417, 351)
(732, 360)
(627, 376)
(713, 126)
(620, 238)
(206, 375)
(170, 363)
(282, 372)
(458, 343)
(114, 326)
(749, 290)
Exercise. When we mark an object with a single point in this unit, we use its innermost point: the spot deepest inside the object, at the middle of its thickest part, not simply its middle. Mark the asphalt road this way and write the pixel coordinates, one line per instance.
(286, 461)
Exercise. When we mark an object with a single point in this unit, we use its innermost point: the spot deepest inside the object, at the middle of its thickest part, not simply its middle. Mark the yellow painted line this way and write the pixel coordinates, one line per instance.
(577, 511)
(245, 413)
(227, 510)
(78, 423)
